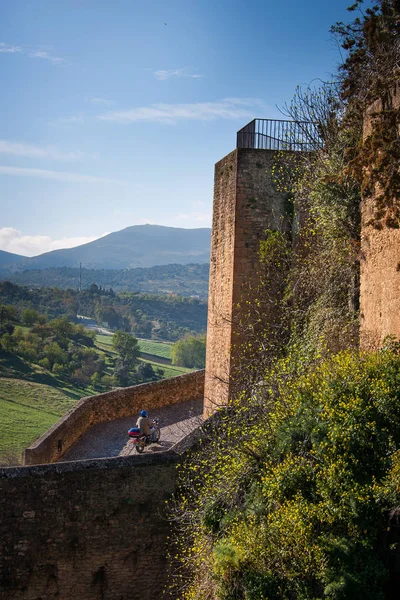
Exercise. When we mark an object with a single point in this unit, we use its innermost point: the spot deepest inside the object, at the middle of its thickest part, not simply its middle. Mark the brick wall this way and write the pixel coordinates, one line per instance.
(220, 295)
(91, 530)
(245, 205)
(121, 402)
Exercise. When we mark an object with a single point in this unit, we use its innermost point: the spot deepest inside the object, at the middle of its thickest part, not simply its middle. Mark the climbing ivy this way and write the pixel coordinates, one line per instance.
(369, 76)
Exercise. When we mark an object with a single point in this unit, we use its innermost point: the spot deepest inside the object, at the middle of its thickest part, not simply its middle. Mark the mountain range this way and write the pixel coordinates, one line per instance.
(136, 246)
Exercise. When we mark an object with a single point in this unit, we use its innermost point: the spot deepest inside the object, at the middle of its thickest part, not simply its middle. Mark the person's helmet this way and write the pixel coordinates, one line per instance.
(143, 413)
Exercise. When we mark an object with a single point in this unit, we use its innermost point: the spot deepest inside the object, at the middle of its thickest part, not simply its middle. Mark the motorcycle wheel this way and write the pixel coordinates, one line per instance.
(140, 447)
(157, 435)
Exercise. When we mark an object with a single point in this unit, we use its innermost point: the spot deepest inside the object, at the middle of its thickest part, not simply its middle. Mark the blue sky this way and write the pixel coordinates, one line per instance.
(113, 113)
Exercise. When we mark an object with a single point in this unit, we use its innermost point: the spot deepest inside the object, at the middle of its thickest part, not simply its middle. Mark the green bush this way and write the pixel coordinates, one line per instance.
(45, 363)
(190, 352)
(293, 492)
(107, 381)
(57, 369)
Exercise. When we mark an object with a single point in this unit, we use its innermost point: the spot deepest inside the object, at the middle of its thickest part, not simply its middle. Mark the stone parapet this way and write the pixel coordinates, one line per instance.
(121, 402)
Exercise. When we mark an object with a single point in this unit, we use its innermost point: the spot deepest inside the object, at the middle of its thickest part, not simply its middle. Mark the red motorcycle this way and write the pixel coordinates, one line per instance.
(140, 440)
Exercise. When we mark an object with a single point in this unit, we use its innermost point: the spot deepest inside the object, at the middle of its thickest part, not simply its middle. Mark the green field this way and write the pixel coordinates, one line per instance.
(162, 349)
(27, 410)
(169, 371)
(105, 340)
(31, 401)
(154, 348)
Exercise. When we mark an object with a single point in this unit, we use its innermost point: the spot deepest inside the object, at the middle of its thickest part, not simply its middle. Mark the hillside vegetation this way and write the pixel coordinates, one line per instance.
(185, 280)
(46, 366)
(146, 315)
(293, 492)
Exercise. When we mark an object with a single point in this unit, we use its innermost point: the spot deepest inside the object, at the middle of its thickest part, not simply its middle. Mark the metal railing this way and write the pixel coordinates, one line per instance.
(274, 134)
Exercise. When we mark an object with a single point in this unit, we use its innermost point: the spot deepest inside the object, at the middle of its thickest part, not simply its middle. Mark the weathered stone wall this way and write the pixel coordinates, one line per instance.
(90, 530)
(121, 402)
(379, 283)
(259, 206)
(245, 205)
(380, 266)
(220, 295)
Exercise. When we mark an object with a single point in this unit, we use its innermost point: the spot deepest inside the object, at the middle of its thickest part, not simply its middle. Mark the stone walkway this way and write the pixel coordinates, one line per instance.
(111, 439)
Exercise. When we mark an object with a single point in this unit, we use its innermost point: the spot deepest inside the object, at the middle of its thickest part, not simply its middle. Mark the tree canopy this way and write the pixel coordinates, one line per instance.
(190, 352)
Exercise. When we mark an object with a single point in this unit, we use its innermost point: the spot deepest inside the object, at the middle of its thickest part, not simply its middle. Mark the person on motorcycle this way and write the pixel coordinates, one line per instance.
(145, 425)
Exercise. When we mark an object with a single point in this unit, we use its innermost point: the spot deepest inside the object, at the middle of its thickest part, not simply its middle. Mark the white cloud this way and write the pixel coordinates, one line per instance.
(55, 175)
(185, 72)
(31, 52)
(9, 48)
(229, 108)
(55, 60)
(31, 151)
(12, 240)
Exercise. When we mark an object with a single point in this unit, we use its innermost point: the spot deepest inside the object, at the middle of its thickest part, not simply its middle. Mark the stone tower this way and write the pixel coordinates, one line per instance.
(380, 260)
(246, 204)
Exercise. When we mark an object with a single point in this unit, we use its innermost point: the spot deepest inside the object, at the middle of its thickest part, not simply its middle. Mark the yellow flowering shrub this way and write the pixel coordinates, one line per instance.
(293, 492)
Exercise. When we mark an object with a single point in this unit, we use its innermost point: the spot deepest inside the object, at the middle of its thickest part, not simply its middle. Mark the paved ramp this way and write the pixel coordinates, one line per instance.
(111, 439)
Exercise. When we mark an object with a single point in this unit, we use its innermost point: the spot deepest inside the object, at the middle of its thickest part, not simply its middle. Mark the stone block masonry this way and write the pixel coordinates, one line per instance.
(122, 402)
(379, 265)
(246, 204)
(220, 298)
(90, 530)
(379, 284)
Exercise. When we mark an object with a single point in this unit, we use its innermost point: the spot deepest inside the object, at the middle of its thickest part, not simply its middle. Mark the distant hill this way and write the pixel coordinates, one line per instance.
(8, 259)
(136, 246)
(185, 280)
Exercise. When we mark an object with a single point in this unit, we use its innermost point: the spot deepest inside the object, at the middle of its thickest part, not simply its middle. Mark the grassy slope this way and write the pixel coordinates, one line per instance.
(31, 401)
(168, 370)
(162, 349)
(105, 340)
(27, 409)
(14, 367)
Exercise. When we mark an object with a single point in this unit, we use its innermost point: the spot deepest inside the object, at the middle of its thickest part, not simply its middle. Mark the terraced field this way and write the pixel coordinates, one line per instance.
(162, 349)
(153, 347)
